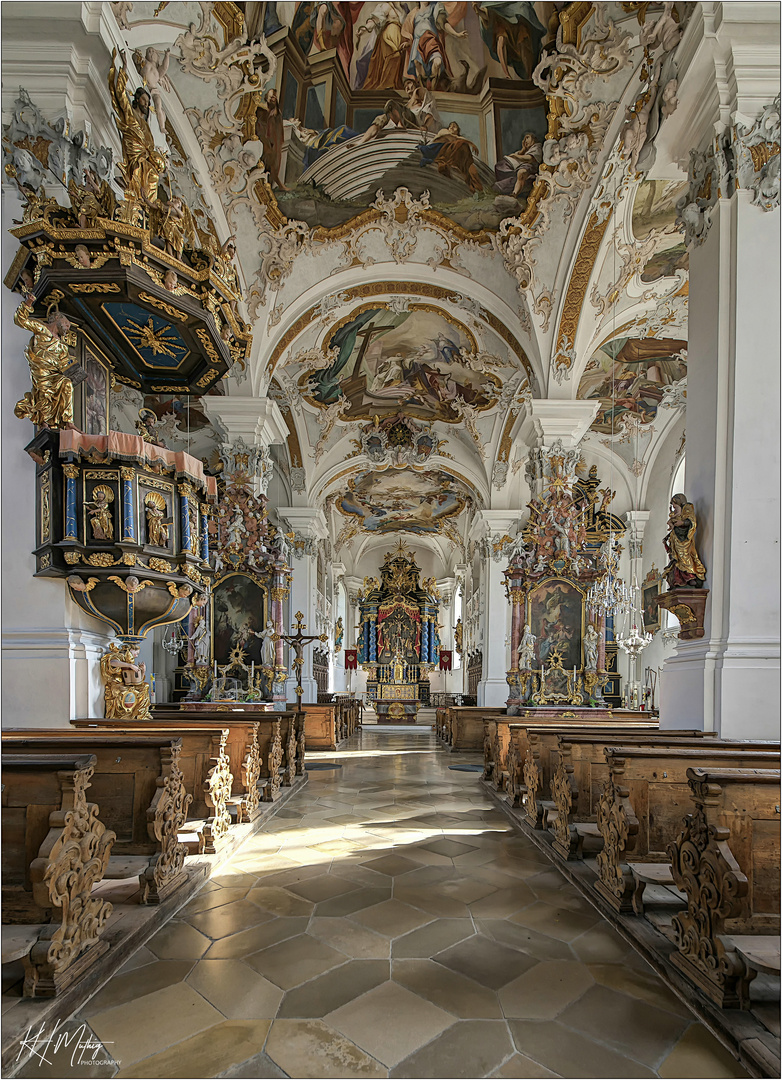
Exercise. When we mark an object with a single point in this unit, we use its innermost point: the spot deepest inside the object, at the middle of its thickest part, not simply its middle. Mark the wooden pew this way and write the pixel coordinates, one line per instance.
(54, 850)
(291, 733)
(322, 726)
(140, 791)
(497, 733)
(727, 861)
(464, 725)
(530, 774)
(578, 772)
(645, 798)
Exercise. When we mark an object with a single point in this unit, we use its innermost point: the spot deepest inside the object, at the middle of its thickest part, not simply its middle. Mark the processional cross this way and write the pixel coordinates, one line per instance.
(297, 642)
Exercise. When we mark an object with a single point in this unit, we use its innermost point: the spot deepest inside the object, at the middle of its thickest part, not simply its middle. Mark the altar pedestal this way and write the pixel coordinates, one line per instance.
(397, 712)
(397, 703)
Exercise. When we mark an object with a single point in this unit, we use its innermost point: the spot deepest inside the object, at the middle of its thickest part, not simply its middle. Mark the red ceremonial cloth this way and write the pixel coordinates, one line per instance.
(351, 659)
(445, 659)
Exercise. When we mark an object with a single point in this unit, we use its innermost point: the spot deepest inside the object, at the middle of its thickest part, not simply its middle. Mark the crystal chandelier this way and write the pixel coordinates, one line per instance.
(633, 643)
(174, 641)
(609, 595)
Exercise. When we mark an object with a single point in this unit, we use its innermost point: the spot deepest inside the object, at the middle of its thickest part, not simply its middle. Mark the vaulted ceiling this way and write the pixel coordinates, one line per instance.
(412, 286)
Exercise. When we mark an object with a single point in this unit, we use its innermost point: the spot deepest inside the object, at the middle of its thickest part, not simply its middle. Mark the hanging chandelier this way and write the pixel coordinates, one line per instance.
(174, 640)
(609, 596)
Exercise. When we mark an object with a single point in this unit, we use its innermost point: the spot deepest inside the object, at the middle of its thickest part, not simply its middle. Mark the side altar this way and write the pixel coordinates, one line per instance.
(398, 643)
(563, 651)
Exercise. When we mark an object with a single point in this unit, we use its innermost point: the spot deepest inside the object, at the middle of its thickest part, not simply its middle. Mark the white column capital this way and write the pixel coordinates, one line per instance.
(256, 420)
(309, 521)
(548, 419)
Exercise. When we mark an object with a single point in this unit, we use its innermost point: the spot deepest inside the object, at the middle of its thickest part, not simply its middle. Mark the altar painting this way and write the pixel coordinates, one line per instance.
(399, 499)
(629, 375)
(555, 614)
(399, 633)
(432, 97)
(390, 362)
(238, 615)
(651, 612)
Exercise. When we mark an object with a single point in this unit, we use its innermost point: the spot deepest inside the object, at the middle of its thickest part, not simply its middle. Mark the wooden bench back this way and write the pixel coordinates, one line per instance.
(32, 791)
(125, 780)
(656, 780)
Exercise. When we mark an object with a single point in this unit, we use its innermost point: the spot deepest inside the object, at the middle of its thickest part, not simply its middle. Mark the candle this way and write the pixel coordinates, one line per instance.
(215, 669)
(252, 670)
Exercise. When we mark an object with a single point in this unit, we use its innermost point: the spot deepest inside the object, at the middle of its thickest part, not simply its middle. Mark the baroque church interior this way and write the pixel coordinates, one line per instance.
(390, 678)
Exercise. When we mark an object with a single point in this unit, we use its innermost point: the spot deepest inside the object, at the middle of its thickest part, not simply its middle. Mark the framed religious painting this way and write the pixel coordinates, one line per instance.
(239, 613)
(650, 590)
(93, 410)
(555, 611)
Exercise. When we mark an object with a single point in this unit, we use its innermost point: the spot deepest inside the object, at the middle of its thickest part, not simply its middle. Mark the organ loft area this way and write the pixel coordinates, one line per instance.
(390, 506)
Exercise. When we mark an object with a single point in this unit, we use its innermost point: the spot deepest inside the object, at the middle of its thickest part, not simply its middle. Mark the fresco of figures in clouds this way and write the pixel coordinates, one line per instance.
(654, 207)
(403, 499)
(433, 97)
(629, 375)
(390, 362)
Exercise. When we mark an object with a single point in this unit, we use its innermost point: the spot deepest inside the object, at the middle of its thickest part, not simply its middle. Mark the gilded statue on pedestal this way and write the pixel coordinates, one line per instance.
(50, 402)
(99, 512)
(126, 694)
(684, 567)
(157, 522)
(142, 163)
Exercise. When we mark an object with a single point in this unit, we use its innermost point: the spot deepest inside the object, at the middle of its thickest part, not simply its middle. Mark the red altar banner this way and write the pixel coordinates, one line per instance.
(351, 659)
(445, 659)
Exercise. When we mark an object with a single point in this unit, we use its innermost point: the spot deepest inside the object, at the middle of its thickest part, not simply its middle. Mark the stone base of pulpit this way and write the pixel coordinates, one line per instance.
(397, 712)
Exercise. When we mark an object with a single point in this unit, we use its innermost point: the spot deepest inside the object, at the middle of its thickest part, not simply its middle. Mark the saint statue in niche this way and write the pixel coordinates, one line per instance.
(99, 512)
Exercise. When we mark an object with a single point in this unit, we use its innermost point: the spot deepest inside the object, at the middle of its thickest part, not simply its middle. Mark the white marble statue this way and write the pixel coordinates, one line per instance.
(591, 645)
(527, 648)
(268, 646)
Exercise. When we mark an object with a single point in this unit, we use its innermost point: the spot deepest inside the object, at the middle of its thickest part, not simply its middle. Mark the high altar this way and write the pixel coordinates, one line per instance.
(398, 639)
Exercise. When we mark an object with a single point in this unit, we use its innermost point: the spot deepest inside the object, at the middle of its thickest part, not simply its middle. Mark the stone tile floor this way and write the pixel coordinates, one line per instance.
(389, 922)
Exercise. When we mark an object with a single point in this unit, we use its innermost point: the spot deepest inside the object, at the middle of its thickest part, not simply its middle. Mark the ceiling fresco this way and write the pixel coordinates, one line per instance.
(409, 361)
(403, 499)
(630, 377)
(654, 208)
(432, 97)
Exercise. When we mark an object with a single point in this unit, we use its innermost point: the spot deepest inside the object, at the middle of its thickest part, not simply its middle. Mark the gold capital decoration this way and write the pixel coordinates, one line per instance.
(516, 595)
(127, 474)
(186, 490)
(279, 593)
(168, 308)
(101, 287)
(71, 471)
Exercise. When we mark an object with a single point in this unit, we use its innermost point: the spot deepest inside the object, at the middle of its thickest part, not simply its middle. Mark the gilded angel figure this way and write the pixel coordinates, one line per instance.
(49, 404)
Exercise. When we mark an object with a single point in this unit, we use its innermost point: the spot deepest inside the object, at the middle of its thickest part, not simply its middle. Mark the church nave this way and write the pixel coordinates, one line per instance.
(390, 922)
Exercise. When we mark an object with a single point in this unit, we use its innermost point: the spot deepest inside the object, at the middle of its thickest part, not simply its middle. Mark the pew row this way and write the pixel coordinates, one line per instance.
(55, 849)
(237, 766)
(461, 726)
(327, 725)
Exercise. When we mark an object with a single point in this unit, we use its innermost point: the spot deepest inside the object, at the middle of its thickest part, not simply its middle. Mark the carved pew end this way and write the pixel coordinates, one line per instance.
(759, 954)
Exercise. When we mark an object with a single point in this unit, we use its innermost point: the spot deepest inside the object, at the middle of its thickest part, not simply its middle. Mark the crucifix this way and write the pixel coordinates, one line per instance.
(297, 642)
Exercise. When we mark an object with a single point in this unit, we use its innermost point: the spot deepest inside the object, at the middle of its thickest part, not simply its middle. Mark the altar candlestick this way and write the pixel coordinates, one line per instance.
(252, 669)
(215, 670)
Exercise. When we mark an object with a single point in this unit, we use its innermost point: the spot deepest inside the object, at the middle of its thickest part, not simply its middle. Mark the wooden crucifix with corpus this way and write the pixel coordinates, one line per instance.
(297, 642)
